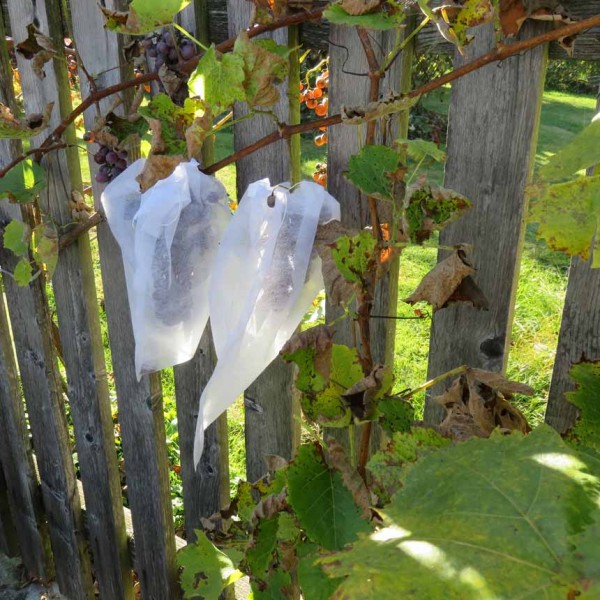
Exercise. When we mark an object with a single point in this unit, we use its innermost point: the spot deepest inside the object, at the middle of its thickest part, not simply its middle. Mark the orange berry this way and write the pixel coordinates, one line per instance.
(322, 128)
(311, 103)
(325, 102)
(316, 177)
(321, 110)
(301, 86)
(322, 180)
(320, 83)
(321, 140)
(317, 93)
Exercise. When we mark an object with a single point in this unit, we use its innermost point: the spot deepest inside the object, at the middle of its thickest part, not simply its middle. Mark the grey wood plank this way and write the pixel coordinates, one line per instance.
(492, 134)
(205, 489)
(77, 310)
(579, 337)
(270, 425)
(140, 403)
(23, 491)
(15, 455)
(8, 535)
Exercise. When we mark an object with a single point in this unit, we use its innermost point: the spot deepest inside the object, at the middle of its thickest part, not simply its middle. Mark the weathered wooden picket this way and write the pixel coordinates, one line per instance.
(494, 119)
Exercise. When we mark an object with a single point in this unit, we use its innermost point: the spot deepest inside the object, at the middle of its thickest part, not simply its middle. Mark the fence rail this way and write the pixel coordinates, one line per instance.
(70, 524)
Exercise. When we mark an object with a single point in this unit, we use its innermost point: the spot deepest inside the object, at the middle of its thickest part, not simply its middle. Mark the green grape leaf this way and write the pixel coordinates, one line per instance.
(263, 68)
(44, 245)
(395, 415)
(16, 237)
(287, 530)
(276, 587)
(218, 80)
(370, 169)
(322, 503)
(375, 20)
(462, 19)
(206, 570)
(260, 553)
(356, 257)
(586, 398)
(388, 466)
(23, 129)
(23, 272)
(487, 518)
(419, 150)
(568, 216)
(143, 16)
(23, 182)
(314, 583)
(169, 123)
(123, 128)
(431, 208)
(585, 559)
(582, 152)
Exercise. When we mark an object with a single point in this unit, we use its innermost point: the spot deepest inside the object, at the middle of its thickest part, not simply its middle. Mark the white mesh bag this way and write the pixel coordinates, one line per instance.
(266, 274)
(168, 237)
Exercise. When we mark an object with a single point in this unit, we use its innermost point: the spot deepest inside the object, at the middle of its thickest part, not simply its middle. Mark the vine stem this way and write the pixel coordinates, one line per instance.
(285, 131)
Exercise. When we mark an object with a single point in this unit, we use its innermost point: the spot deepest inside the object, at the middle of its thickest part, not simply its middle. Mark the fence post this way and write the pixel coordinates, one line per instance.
(140, 404)
(349, 84)
(492, 135)
(578, 338)
(16, 460)
(270, 424)
(206, 489)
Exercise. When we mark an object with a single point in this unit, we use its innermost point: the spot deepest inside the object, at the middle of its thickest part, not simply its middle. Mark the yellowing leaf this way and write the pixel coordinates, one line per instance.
(568, 215)
(23, 182)
(380, 20)
(45, 247)
(143, 16)
(587, 399)
(23, 272)
(38, 48)
(218, 80)
(370, 169)
(23, 129)
(16, 237)
(262, 68)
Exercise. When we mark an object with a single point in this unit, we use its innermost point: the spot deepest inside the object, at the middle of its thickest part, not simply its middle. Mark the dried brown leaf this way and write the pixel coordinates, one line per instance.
(336, 458)
(38, 48)
(468, 291)
(497, 381)
(270, 506)
(339, 291)
(320, 339)
(391, 104)
(157, 167)
(274, 462)
(196, 133)
(11, 127)
(360, 7)
(362, 394)
(442, 281)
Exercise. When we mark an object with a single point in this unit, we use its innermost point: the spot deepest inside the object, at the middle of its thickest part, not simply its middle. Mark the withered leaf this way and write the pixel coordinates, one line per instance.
(270, 506)
(320, 339)
(336, 458)
(392, 103)
(468, 291)
(13, 128)
(338, 290)
(442, 281)
(157, 167)
(475, 406)
(196, 134)
(38, 48)
(359, 7)
(361, 396)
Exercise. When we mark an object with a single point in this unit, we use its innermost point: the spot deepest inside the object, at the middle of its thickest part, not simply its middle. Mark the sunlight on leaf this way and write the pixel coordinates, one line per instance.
(143, 16)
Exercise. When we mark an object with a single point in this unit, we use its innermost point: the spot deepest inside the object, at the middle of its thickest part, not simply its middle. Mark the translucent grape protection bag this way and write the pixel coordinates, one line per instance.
(168, 237)
(265, 277)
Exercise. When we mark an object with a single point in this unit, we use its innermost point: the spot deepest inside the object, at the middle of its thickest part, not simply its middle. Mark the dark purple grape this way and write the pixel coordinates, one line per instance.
(99, 159)
(116, 172)
(121, 164)
(167, 38)
(123, 154)
(147, 43)
(152, 53)
(173, 55)
(104, 150)
(102, 177)
(162, 47)
(187, 52)
(159, 62)
(112, 157)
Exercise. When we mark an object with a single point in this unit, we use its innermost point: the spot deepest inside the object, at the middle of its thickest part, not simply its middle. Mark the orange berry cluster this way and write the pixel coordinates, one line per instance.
(320, 174)
(315, 98)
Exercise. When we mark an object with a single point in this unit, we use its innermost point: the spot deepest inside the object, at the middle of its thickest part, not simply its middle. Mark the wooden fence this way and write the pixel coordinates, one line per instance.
(81, 538)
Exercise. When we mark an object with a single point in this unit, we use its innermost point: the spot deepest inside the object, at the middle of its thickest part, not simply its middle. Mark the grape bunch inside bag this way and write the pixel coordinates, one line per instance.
(265, 277)
(168, 237)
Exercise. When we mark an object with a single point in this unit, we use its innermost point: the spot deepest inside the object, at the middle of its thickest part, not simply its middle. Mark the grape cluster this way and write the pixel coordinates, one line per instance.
(165, 49)
(112, 163)
(315, 98)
